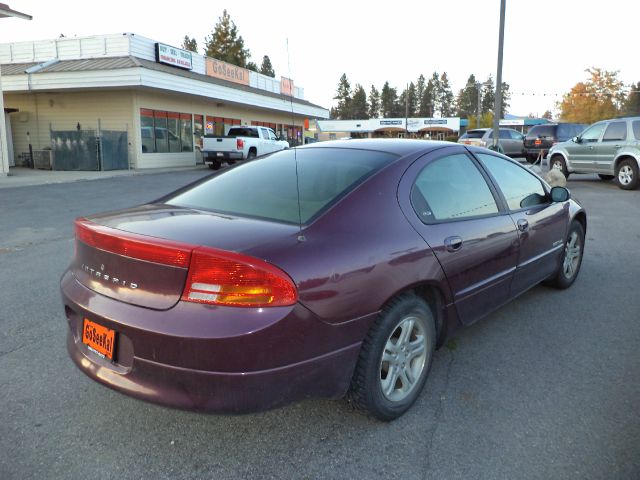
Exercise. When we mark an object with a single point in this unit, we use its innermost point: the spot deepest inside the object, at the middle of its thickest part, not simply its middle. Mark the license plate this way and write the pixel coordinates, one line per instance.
(220, 154)
(100, 340)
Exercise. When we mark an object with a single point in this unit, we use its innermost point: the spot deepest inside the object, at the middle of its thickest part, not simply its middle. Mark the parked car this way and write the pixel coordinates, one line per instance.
(327, 270)
(240, 143)
(540, 138)
(510, 141)
(609, 148)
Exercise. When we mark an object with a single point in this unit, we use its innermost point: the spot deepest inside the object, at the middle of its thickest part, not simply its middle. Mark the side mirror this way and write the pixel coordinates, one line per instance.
(577, 139)
(560, 194)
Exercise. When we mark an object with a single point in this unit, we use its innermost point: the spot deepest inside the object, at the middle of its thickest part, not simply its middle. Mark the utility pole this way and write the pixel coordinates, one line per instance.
(497, 104)
(478, 85)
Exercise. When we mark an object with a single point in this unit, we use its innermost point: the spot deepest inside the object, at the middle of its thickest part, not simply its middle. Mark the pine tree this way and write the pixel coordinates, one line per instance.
(190, 44)
(506, 96)
(435, 92)
(374, 102)
(427, 100)
(266, 68)
(467, 101)
(388, 101)
(488, 95)
(420, 87)
(226, 44)
(343, 95)
(359, 105)
(445, 96)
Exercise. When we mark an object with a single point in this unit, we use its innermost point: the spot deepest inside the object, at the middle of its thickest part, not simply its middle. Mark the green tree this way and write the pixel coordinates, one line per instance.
(548, 115)
(388, 101)
(488, 95)
(420, 87)
(374, 102)
(467, 100)
(600, 97)
(226, 44)
(359, 105)
(426, 102)
(190, 44)
(407, 102)
(251, 66)
(445, 96)
(266, 68)
(632, 102)
(343, 95)
(506, 96)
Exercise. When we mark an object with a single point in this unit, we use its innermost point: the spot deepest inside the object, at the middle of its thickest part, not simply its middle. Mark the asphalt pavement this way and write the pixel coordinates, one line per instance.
(547, 387)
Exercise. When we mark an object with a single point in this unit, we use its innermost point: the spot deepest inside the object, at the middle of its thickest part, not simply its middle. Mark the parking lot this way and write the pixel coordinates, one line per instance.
(546, 387)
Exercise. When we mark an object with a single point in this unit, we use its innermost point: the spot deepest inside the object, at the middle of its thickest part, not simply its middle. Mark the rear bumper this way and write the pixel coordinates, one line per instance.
(222, 360)
(213, 156)
(535, 151)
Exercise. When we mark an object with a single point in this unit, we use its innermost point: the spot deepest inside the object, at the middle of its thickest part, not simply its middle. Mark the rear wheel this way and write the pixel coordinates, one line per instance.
(395, 359)
(251, 155)
(558, 163)
(606, 177)
(627, 174)
(215, 165)
(572, 259)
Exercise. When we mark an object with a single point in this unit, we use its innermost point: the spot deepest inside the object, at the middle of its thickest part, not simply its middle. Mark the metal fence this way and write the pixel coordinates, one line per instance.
(90, 149)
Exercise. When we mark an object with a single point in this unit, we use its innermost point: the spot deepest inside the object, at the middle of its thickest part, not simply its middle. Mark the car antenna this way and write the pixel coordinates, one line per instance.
(301, 237)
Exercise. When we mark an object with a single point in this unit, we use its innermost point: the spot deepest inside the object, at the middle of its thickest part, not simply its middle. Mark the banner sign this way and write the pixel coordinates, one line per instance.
(175, 57)
(226, 71)
(286, 86)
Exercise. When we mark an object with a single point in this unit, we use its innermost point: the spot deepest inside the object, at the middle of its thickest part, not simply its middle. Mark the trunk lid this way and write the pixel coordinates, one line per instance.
(141, 255)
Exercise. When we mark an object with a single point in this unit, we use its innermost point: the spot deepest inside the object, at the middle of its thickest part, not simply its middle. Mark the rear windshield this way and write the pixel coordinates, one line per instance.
(243, 132)
(541, 131)
(475, 133)
(266, 187)
(569, 130)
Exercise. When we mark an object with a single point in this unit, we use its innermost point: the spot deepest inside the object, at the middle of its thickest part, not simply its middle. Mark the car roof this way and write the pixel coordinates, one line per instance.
(398, 146)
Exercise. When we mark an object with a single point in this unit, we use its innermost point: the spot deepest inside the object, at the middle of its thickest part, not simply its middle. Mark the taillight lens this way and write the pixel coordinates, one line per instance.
(132, 245)
(239, 144)
(219, 277)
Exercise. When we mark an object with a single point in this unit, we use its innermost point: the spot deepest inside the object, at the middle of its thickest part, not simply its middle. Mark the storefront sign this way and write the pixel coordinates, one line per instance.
(435, 121)
(286, 86)
(226, 71)
(173, 56)
(391, 122)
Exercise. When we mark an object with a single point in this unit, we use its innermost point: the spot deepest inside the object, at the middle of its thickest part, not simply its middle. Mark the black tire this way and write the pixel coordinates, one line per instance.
(531, 158)
(565, 276)
(372, 371)
(558, 162)
(251, 155)
(231, 162)
(627, 174)
(215, 165)
(606, 177)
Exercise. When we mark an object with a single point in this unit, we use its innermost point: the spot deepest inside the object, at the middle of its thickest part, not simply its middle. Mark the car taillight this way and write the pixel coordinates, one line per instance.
(132, 245)
(239, 144)
(220, 277)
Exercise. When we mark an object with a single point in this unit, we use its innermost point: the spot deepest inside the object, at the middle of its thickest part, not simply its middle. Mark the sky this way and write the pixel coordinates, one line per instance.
(548, 43)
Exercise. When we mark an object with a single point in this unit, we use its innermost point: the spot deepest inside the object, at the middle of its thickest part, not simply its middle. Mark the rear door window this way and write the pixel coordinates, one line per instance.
(615, 131)
(451, 188)
(568, 130)
(267, 188)
(636, 129)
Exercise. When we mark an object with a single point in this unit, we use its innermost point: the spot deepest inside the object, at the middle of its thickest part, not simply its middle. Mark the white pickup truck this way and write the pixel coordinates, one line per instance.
(240, 143)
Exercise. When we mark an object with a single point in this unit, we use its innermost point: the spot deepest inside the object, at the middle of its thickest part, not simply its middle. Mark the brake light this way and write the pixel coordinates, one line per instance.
(239, 144)
(219, 277)
(537, 142)
(141, 247)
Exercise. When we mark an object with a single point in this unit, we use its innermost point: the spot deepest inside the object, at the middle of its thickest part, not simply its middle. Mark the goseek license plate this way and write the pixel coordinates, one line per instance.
(100, 340)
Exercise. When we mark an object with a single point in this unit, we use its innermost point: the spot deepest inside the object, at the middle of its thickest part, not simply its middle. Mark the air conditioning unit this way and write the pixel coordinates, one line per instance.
(43, 159)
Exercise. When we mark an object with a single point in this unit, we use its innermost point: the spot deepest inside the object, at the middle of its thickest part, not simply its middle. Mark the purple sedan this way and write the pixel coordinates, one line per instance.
(330, 270)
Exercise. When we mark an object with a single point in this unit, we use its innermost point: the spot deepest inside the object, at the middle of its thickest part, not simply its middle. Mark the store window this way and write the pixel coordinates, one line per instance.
(164, 132)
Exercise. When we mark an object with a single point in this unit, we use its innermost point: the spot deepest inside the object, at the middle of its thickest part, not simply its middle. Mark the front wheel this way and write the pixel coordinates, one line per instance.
(558, 163)
(395, 359)
(627, 174)
(572, 259)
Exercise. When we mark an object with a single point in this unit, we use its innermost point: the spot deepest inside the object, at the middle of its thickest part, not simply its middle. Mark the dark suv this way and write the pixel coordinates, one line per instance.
(543, 137)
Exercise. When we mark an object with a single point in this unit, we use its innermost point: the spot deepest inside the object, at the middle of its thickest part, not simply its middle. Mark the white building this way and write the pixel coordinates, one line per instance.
(125, 101)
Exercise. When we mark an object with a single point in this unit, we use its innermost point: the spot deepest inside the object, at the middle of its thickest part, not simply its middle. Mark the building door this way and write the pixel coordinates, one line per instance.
(12, 160)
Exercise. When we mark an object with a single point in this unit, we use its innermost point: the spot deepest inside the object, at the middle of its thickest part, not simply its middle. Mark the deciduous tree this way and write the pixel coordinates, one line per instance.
(600, 97)
(632, 102)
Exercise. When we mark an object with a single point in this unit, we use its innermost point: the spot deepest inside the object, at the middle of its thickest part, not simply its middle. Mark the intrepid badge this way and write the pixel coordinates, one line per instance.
(107, 278)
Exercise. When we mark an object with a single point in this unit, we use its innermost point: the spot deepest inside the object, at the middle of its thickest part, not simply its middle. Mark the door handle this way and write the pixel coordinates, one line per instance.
(618, 146)
(523, 225)
(453, 244)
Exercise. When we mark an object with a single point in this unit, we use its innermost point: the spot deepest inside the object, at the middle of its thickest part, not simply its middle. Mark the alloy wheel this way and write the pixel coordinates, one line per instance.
(403, 359)
(625, 175)
(572, 252)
